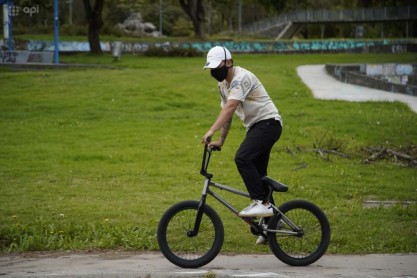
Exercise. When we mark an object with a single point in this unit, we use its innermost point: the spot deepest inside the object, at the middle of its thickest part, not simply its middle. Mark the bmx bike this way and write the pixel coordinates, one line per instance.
(190, 234)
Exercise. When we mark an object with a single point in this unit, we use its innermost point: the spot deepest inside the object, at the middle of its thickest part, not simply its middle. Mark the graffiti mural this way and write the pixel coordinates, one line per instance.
(63, 46)
(236, 47)
(14, 57)
(8, 57)
(389, 69)
(23, 57)
(404, 69)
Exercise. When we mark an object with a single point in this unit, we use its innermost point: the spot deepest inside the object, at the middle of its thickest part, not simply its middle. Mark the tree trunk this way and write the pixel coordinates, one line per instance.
(195, 10)
(95, 22)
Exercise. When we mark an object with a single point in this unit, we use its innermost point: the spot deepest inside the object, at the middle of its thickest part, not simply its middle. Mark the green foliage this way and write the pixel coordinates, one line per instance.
(59, 232)
(91, 158)
(73, 30)
(172, 52)
(221, 17)
(182, 28)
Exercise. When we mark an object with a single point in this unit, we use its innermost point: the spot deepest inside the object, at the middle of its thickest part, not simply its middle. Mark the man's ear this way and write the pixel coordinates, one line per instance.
(229, 63)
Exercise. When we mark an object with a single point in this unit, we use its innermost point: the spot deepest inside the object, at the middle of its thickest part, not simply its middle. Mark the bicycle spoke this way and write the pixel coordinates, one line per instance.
(189, 247)
(310, 243)
(301, 246)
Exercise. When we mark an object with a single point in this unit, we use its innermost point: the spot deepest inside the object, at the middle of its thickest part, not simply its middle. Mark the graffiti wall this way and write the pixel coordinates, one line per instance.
(264, 47)
(391, 77)
(236, 47)
(7, 57)
(63, 46)
(23, 57)
(389, 69)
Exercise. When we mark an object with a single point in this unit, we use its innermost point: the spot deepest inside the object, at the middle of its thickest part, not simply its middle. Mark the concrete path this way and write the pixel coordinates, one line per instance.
(125, 264)
(325, 86)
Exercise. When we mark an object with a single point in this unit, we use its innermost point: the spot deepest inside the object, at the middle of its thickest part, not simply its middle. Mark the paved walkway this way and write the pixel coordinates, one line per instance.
(130, 264)
(325, 86)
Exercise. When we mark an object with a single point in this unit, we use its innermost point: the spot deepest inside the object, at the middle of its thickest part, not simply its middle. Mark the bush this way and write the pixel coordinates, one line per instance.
(182, 27)
(73, 30)
(111, 30)
(172, 52)
(36, 29)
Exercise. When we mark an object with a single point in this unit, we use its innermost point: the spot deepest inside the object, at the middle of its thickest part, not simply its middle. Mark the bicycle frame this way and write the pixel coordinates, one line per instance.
(258, 227)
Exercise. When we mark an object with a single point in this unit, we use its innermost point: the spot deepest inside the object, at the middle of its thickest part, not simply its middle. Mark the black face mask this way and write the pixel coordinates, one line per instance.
(220, 74)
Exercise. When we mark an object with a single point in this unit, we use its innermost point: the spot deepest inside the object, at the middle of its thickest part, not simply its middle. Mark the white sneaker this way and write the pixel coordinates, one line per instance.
(261, 240)
(257, 209)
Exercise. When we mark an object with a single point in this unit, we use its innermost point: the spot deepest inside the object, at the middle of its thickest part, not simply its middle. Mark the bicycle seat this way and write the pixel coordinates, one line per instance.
(276, 185)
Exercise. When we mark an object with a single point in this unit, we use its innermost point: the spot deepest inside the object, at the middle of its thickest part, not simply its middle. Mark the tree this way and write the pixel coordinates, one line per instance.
(95, 22)
(195, 10)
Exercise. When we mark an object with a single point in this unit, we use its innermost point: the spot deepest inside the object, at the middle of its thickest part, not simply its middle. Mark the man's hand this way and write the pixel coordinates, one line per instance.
(207, 137)
(216, 145)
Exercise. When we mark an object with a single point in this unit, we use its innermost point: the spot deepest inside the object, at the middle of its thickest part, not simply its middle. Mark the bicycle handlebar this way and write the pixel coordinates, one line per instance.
(212, 148)
(206, 159)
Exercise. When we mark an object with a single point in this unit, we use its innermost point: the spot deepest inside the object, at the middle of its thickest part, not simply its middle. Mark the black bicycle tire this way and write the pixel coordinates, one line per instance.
(204, 258)
(324, 240)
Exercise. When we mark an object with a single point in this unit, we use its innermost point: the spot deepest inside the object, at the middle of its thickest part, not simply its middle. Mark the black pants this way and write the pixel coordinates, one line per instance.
(252, 157)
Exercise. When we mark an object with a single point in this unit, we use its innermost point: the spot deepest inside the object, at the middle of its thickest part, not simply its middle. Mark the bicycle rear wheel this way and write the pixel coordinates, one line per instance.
(177, 243)
(308, 245)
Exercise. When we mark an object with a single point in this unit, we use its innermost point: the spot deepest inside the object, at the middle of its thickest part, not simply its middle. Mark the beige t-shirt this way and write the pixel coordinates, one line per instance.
(255, 103)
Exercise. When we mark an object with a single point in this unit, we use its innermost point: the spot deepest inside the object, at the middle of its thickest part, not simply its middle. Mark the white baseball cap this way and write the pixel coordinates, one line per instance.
(216, 55)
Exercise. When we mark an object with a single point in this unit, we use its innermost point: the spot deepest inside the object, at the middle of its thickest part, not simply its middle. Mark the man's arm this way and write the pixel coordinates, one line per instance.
(225, 130)
(223, 120)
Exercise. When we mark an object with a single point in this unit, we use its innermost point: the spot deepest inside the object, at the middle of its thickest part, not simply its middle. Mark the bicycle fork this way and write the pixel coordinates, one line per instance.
(199, 215)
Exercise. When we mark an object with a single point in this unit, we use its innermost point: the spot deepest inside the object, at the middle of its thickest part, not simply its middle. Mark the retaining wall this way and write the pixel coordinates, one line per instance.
(357, 74)
(319, 46)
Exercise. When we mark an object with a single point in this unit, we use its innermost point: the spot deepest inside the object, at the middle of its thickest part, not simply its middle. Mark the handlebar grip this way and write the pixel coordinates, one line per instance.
(215, 148)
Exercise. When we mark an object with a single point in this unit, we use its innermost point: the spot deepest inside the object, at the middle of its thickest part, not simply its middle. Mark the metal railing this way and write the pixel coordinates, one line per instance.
(334, 16)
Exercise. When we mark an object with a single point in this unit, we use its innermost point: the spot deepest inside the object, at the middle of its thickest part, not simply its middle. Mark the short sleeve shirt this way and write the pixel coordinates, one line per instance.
(255, 103)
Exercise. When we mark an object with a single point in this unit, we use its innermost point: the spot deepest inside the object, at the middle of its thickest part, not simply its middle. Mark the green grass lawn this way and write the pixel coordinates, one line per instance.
(91, 158)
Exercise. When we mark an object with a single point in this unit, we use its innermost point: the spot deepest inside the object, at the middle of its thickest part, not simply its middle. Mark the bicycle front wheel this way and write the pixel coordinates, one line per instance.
(309, 244)
(177, 241)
